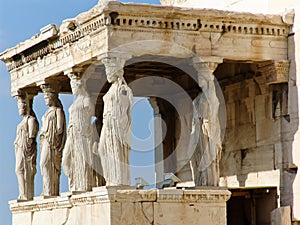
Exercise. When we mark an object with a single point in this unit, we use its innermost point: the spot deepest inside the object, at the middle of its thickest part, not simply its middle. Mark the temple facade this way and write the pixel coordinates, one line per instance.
(225, 83)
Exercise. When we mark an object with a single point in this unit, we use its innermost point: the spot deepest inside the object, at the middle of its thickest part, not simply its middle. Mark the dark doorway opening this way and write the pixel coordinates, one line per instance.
(251, 206)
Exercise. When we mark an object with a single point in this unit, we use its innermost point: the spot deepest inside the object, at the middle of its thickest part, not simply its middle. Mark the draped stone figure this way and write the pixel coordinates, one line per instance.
(26, 147)
(52, 141)
(206, 157)
(78, 153)
(114, 144)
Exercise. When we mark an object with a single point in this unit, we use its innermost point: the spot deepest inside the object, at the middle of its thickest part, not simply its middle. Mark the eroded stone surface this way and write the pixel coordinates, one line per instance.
(119, 207)
(281, 216)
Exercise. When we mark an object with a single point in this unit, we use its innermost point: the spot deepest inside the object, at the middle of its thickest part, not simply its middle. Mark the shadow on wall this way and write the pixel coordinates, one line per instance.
(262, 119)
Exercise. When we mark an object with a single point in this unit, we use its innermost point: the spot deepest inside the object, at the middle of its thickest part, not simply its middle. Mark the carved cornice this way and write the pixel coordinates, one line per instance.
(133, 17)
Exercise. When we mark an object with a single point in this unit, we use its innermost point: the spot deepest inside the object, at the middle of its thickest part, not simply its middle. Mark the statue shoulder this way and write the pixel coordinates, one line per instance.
(32, 119)
(60, 111)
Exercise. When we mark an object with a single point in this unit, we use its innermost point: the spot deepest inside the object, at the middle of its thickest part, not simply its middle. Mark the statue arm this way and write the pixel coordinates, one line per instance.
(32, 128)
(126, 104)
(60, 121)
(32, 132)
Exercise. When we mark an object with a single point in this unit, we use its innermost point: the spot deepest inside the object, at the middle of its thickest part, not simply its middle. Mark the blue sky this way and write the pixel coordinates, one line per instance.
(20, 20)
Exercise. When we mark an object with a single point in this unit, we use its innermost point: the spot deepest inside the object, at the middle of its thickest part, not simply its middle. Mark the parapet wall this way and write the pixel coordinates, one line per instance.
(124, 205)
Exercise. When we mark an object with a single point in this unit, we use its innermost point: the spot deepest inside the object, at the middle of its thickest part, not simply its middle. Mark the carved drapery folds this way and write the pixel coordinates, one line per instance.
(114, 144)
(206, 132)
(80, 158)
(52, 139)
(26, 146)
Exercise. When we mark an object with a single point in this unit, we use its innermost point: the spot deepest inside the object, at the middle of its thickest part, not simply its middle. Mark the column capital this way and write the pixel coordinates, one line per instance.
(205, 67)
(118, 56)
(50, 87)
(25, 94)
(73, 73)
(114, 63)
(207, 63)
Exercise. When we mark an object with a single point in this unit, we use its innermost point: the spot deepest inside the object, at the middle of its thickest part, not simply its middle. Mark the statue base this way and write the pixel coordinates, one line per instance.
(122, 206)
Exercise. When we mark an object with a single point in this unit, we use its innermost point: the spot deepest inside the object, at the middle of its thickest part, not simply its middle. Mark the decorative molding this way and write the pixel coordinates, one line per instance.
(193, 196)
(121, 195)
(275, 71)
(126, 19)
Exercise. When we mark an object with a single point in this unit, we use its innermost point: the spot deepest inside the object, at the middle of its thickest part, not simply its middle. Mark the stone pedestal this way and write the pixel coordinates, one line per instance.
(119, 205)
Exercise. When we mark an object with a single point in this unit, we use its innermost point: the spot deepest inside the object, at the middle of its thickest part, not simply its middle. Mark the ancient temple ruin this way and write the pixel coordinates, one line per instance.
(225, 83)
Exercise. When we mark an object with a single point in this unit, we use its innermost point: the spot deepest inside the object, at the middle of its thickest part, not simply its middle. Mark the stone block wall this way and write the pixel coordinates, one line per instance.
(127, 206)
(252, 144)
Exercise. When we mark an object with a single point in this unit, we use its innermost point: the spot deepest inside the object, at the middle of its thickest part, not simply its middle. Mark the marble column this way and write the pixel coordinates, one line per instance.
(159, 152)
(114, 145)
(205, 161)
(52, 139)
(26, 146)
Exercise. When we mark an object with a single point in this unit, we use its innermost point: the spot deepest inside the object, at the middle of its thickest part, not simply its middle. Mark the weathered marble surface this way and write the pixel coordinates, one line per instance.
(78, 153)
(205, 160)
(90, 38)
(114, 144)
(281, 216)
(124, 205)
(52, 140)
(252, 157)
(26, 147)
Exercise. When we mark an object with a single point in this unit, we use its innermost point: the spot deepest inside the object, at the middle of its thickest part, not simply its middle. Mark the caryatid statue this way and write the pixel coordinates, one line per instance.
(205, 161)
(78, 153)
(206, 137)
(26, 147)
(52, 140)
(114, 144)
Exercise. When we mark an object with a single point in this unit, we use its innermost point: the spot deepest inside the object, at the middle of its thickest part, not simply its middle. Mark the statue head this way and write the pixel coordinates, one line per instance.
(24, 103)
(50, 98)
(22, 106)
(51, 94)
(78, 85)
(113, 68)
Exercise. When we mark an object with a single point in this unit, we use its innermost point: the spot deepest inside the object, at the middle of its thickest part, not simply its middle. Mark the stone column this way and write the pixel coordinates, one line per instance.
(114, 145)
(205, 166)
(159, 152)
(26, 145)
(52, 139)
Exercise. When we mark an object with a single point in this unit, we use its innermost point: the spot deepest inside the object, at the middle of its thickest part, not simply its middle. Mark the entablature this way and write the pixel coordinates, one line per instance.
(80, 40)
